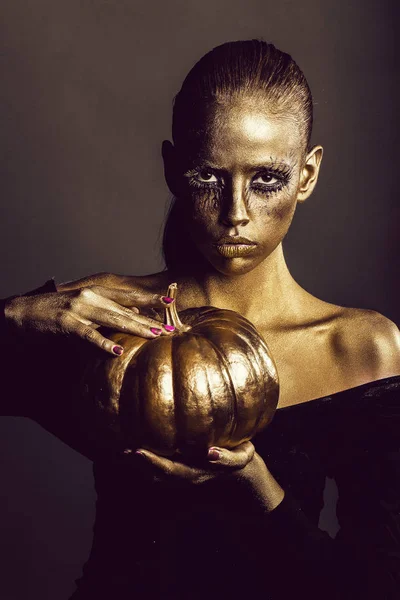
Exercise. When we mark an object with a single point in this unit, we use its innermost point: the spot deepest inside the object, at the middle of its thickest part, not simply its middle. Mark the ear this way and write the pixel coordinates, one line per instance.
(309, 173)
(170, 158)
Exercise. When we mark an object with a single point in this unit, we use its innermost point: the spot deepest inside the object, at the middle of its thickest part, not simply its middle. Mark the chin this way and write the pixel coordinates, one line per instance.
(232, 267)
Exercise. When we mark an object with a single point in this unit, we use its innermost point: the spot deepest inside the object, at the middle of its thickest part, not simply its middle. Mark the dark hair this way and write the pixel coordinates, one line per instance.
(251, 68)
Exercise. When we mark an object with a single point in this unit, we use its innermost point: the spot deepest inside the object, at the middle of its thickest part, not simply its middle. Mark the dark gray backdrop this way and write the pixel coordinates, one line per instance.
(87, 90)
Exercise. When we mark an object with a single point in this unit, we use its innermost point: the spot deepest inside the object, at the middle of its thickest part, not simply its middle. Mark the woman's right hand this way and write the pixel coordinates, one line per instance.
(81, 311)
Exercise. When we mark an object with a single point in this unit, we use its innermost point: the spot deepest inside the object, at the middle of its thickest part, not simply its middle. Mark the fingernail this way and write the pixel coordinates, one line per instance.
(169, 327)
(214, 454)
(155, 330)
(117, 350)
(167, 299)
(140, 453)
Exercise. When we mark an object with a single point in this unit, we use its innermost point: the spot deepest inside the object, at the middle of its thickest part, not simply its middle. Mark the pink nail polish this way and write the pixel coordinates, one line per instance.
(167, 299)
(117, 350)
(213, 454)
(169, 327)
(155, 330)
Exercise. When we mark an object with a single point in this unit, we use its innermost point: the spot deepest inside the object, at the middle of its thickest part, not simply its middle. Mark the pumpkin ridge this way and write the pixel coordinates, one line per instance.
(162, 348)
(241, 323)
(229, 378)
(211, 399)
(198, 345)
(257, 372)
(177, 442)
(237, 332)
(265, 380)
(115, 372)
(226, 374)
(179, 406)
(261, 369)
(136, 408)
(234, 327)
(210, 313)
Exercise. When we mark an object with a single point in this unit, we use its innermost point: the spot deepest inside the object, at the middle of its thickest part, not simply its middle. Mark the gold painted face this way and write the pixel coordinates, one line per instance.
(242, 182)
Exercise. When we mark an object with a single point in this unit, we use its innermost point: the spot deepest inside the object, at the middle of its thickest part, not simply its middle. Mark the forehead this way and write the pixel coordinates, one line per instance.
(245, 134)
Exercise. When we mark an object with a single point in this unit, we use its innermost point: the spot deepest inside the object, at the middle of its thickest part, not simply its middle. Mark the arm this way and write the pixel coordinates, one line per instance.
(356, 564)
(39, 336)
(363, 561)
(47, 341)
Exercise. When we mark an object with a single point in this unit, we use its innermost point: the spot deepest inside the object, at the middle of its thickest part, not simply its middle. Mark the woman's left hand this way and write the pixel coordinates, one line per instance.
(241, 464)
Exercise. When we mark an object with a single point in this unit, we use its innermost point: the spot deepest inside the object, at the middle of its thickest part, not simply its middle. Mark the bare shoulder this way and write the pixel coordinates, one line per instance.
(153, 282)
(368, 341)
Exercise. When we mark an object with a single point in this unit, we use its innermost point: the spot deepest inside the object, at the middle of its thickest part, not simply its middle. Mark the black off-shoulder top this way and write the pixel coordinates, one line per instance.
(155, 541)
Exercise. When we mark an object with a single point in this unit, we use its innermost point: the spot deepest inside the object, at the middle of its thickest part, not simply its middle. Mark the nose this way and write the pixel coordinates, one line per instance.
(235, 211)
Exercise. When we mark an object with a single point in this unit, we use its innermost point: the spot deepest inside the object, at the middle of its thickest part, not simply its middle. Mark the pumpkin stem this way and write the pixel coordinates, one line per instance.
(171, 316)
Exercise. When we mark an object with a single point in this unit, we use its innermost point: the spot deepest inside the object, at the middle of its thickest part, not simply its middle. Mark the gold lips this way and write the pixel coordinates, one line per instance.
(233, 250)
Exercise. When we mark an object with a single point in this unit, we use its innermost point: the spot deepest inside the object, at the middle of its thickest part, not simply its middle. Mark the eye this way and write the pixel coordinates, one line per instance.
(205, 176)
(266, 178)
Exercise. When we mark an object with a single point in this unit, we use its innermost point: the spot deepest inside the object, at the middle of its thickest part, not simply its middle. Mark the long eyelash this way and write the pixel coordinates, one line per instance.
(202, 185)
(191, 176)
(282, 174)
(266, 190)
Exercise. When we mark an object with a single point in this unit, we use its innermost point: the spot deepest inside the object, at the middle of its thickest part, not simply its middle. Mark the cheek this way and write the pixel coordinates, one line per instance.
(282, 210)
(274, 212)
(205, 208)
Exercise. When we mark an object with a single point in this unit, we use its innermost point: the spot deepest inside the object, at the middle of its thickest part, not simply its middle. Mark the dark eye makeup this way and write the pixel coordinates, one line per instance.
(267, 180)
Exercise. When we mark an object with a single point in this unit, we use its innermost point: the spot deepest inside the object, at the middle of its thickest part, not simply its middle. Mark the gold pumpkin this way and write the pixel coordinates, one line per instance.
(212, 382)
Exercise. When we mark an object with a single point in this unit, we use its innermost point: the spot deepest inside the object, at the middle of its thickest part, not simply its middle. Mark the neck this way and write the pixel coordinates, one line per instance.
(268, 292)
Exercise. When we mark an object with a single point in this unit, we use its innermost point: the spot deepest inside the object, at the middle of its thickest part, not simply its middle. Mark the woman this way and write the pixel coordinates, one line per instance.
(246, 524)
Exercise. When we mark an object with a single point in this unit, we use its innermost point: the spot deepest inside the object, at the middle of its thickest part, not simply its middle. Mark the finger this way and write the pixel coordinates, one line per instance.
(169, 468)
(89, 333)
(160, 463)
(106, 282)
(87, 303)
(122, 319)
(234, 459)
(133, 297)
